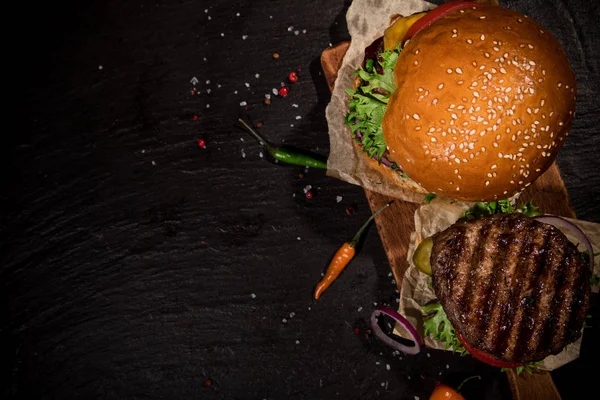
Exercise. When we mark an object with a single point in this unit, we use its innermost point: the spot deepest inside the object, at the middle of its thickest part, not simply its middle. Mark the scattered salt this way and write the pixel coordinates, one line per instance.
(275, 91)
(260, 154)
(338, 199)
(298, 117)
(253, 295)
(194, 80)
(243, 104)
(244, 37)
(247, 84)
(359, 309)
(295, 105)
(257, 76)
(387, 366)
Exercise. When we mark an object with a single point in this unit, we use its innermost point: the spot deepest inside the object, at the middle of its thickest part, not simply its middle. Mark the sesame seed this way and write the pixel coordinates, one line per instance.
(416, 116)
(520, 20)
(416, 62)
(417, 51)
(434, 101)
(482, 37)
(454, 35)
(459, 71)
(441, 85)
(449, 70)
(502, 70)
(530, 46)
(469, 41)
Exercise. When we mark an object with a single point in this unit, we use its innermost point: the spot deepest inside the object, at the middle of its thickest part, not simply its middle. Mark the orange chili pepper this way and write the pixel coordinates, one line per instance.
(342, 257)
(445, 392)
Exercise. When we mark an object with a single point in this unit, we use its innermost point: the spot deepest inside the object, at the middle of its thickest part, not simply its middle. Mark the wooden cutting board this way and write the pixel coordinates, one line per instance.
(548, 193)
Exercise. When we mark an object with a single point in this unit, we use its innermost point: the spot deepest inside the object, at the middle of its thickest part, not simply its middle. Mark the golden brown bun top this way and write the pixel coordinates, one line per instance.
(485, 98)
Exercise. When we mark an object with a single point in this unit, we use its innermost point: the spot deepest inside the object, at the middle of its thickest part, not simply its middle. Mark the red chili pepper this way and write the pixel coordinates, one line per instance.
(342, 257)
(201, 143)
(283, 91)
(293, 77)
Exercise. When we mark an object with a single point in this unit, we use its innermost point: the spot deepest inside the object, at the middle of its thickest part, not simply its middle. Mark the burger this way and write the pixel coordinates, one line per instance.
(467, 101)
(511, 289)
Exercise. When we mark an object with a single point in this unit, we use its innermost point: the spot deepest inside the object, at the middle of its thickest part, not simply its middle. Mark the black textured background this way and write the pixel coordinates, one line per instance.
(135, 265)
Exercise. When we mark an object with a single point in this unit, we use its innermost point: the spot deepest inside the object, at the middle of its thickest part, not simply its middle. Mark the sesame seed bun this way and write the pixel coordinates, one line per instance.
(485, 98)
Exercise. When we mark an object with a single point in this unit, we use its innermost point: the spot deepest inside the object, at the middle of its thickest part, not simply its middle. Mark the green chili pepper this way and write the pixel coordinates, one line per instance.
(289, 155)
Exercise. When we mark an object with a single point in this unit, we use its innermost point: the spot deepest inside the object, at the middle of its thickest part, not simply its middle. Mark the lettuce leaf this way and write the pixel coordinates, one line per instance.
(368, 102)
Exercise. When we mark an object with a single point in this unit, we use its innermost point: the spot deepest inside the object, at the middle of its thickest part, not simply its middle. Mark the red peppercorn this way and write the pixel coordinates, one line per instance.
(283, 91)
(207, 383)
(356, 331)
(293, 77)
(201, 143)
(195, 117)
(309, 194)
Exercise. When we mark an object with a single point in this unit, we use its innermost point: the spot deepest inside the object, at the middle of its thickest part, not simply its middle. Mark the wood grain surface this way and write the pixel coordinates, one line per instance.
(548, 192)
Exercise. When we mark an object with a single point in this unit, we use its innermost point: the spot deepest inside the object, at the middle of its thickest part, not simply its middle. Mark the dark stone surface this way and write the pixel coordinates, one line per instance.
(135, 265)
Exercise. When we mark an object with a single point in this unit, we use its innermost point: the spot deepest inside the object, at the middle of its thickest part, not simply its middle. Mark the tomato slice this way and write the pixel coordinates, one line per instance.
(437, 13)
(485, 357)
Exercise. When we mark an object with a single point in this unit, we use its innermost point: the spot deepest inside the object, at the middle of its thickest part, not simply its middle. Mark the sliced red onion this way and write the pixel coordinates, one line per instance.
(563, 223)
(402, 321)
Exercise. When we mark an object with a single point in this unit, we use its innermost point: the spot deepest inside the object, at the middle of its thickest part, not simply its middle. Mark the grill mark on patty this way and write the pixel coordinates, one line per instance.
(470, 266)
(526, 298)
(529, 338)
(528, 271)
(496, 294)
(579, 301)
(492, 270)
(562, 294)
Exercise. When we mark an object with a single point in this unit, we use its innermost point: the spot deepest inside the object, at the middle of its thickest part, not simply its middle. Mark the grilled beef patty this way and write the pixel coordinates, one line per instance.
(514, 287)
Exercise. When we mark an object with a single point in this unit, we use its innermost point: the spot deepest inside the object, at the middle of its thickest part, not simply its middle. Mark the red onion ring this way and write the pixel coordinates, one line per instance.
(559, 222)
(402, 321)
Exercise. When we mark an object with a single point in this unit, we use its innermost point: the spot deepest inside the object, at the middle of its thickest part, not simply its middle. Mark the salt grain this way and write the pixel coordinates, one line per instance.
(243, 104)
(194, 80)
(253, 295)
(244, 37)
(298, 117)
(338, 199)
(295, 105)
(247, 84)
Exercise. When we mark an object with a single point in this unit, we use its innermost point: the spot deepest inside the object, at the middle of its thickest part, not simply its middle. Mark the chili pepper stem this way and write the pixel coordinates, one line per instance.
(466, 380)
(356, 237)
(262, 141)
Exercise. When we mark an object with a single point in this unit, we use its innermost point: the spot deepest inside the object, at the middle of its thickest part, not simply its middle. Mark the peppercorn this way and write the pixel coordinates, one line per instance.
(283, 91)
(293, 77)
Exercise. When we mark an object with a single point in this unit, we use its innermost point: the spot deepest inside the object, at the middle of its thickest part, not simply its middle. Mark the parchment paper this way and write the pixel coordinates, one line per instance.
(367, 20)
(437, 216)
